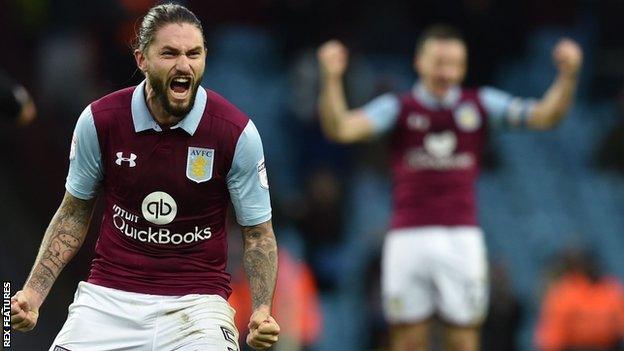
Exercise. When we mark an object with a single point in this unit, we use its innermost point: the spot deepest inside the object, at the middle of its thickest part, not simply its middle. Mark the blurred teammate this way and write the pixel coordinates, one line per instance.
(167, 156)
(434, 258)
(15, 102)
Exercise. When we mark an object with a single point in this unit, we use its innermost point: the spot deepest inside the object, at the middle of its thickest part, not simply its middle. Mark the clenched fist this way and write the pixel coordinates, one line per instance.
(24, 311)
(333, 57)
(263, 330)
(568, 56)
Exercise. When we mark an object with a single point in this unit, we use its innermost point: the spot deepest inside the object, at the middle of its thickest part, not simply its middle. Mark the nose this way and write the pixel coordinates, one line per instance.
(446, 73)
(183, 64)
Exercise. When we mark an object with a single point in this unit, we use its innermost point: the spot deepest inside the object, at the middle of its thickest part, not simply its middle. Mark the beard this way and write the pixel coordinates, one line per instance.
(160, 87)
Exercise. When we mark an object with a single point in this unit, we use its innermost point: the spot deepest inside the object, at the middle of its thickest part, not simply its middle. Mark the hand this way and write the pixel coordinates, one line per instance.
(333, 58)
(568, 56)
(263, 330)
(29, 110)
(28, 114)
(24, 310)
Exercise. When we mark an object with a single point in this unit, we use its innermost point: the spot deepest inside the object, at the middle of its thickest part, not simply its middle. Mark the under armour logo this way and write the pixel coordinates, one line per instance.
(130, 159)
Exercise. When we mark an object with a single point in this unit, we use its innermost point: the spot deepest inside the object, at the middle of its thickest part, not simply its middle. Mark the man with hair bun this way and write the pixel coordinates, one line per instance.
(167, 156)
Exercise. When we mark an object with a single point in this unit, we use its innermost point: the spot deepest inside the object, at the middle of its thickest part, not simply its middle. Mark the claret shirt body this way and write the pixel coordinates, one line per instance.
(167, 191)
(436, 147)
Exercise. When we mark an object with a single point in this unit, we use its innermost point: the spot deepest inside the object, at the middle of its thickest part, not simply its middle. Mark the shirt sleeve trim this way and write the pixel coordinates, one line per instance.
(255, 221)
(77, 193)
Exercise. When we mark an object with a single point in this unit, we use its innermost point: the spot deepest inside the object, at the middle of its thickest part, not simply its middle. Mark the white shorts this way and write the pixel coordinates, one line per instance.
(104, 319)
(435, 270)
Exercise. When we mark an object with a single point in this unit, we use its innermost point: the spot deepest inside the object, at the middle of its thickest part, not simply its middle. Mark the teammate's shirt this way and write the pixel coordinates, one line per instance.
(436, 148)
(167, 191)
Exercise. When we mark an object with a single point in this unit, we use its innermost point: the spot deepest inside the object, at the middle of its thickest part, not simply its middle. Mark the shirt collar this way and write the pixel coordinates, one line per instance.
(426, 98)
(143, 120)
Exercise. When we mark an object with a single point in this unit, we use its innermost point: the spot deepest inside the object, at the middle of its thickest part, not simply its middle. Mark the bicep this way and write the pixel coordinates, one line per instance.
(538, 118)
(247, 179)
(380, 114)
(357, 126)
(504, 110)
(373, 119)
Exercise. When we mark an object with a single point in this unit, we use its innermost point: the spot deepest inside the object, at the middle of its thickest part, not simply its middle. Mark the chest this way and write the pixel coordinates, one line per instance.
(187, 167)
(441, 131)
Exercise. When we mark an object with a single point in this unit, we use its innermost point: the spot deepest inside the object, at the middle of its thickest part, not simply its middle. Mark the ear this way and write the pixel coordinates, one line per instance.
(141, 60)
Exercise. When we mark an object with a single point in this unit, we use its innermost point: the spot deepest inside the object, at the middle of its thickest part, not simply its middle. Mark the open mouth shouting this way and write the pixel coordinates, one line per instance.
(180, 88)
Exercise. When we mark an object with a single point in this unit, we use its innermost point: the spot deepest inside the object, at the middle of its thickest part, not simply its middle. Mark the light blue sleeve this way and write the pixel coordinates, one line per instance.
(247, 180)
(85, 160)
(505, 110)
(383, 112)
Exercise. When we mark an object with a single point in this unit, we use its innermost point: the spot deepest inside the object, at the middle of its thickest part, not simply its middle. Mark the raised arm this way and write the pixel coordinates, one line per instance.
(555, 103)
(339, 124)
(260, 261)
(63, 238)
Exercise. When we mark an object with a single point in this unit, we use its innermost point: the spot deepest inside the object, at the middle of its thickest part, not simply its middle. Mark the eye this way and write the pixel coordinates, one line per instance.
(168, 53)
(194, 54)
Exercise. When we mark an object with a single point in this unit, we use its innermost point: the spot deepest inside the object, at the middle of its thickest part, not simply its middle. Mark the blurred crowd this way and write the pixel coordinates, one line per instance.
(539, 194)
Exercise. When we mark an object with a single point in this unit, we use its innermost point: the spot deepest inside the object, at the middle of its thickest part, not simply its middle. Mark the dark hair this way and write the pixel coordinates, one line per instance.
(438, 31)
(159, 16)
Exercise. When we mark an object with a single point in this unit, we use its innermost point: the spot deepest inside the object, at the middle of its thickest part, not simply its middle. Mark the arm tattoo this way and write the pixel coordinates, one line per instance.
(260, 260)
(61, 241)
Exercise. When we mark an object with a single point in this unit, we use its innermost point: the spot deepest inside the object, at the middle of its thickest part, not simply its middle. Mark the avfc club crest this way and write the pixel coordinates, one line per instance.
(467, 117)
(199, 163)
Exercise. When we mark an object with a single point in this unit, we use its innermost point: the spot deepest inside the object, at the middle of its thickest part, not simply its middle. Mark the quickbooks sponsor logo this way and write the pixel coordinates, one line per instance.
(159, 208)
(439, 153)
(126, 223)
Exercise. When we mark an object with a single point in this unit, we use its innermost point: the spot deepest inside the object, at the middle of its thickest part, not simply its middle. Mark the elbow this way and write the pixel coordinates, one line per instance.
(546, 124)
(331, 134)
(547, 121)
(336, 134)
(339, 138)
(555, 119)
(344, 137)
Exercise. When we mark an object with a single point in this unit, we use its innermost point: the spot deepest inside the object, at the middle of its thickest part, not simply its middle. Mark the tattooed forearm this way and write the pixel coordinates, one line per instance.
(260, 260)
(61, 241)
(40, 279)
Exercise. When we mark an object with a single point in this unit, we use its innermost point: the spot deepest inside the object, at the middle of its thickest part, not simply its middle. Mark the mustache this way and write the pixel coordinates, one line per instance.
(188, 76)
(160, 87)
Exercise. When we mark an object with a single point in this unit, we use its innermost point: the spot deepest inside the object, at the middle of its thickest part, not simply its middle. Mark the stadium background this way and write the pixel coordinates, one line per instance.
(540, 194)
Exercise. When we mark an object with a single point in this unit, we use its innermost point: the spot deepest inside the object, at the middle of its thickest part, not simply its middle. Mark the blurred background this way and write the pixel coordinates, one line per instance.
(547, 200)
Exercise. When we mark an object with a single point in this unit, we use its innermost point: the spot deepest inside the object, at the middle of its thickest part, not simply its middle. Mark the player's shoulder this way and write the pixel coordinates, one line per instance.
(225, 112)
(401, 98)
(401, 95)
(120, 99)
(110, 109)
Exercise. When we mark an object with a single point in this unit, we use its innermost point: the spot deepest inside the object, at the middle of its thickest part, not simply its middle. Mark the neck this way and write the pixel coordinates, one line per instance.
(156, 108)
(438, 95)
